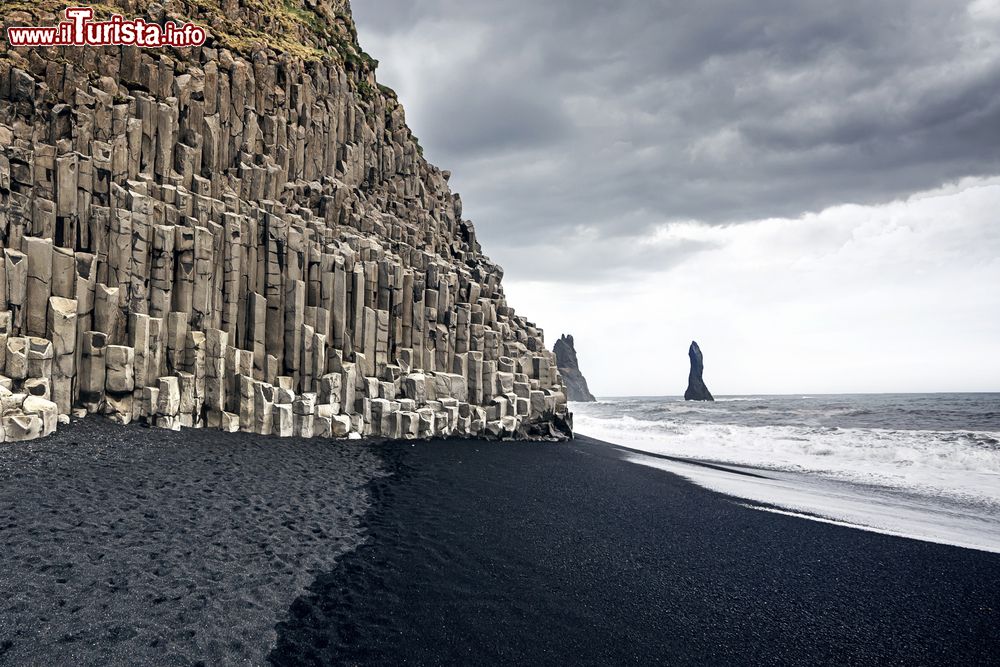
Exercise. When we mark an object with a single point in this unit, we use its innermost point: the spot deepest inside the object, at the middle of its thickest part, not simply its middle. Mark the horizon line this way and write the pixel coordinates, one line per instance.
(807, 393)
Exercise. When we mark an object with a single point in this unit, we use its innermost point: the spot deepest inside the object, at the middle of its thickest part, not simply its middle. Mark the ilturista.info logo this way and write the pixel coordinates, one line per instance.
(80, 29)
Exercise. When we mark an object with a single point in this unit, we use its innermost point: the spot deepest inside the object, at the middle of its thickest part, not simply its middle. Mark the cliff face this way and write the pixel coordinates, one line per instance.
(569, 368)
(244, 236)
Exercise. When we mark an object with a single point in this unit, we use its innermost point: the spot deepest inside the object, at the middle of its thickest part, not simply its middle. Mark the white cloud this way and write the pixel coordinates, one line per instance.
(899, 297)
(988, 10)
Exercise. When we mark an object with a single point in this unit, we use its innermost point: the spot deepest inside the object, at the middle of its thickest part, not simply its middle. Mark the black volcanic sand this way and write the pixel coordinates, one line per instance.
(566, 554)
(124, 545)
(132, 546)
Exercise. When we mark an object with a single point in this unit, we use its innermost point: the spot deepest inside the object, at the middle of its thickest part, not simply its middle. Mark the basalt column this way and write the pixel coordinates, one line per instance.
(244, 236)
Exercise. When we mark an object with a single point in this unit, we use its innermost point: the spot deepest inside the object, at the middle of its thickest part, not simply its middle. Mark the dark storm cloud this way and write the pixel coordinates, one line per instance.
(569, 118)
(497, 120)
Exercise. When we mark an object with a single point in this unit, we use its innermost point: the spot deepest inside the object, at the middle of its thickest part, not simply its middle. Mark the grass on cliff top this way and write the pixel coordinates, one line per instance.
(292, 24)
(41, 7)
(291, 28)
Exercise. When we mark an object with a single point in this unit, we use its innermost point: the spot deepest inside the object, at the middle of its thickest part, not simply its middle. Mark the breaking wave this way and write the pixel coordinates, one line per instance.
(962, 464)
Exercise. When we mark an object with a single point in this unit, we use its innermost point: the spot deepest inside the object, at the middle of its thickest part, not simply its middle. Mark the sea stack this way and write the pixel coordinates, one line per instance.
(569, 368)
(244, 236)
(697, 391)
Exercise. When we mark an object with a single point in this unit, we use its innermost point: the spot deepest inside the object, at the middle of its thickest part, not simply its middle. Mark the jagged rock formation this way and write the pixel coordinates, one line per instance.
(244, 236)
(697, 391)
(569, 368)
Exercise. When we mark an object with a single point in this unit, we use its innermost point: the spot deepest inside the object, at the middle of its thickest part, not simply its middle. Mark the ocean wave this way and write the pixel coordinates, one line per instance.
(958, 464)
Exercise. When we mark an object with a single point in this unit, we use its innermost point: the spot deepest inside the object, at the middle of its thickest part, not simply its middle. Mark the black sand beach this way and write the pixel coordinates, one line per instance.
(564, 554)
(131, 546)
(135, 546)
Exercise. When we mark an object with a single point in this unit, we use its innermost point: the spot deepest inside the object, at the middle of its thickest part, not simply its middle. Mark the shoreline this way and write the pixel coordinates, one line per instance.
(885, 510)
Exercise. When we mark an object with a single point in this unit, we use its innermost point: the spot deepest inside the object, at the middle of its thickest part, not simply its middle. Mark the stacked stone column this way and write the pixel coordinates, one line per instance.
(192, 250)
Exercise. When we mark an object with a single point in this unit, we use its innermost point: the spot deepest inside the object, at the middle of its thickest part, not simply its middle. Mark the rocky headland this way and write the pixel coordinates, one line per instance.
(569, 367)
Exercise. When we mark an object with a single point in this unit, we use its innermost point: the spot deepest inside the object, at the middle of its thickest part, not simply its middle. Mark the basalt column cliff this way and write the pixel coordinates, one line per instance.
(243, 236)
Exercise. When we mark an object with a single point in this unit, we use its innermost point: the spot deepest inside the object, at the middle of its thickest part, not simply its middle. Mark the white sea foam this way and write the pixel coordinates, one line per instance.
(954, 464)
(853, 461)
(880, 510)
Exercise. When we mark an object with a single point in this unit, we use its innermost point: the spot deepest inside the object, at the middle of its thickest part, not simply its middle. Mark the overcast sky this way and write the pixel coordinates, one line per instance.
(809, 189)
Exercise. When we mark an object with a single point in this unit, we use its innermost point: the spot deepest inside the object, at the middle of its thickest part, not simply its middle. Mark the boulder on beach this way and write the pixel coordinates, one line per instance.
(569, 368)
(697, 391)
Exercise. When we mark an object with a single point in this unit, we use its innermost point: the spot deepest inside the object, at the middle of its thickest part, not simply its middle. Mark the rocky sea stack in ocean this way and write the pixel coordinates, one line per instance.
(569, 368)
(697, 391)
(244, 236)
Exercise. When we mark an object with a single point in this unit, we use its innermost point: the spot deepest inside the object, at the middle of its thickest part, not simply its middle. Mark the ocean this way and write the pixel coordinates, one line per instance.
(918, 465)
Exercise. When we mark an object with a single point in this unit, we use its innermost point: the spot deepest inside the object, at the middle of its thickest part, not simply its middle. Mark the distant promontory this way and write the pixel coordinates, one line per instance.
(569, 368)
